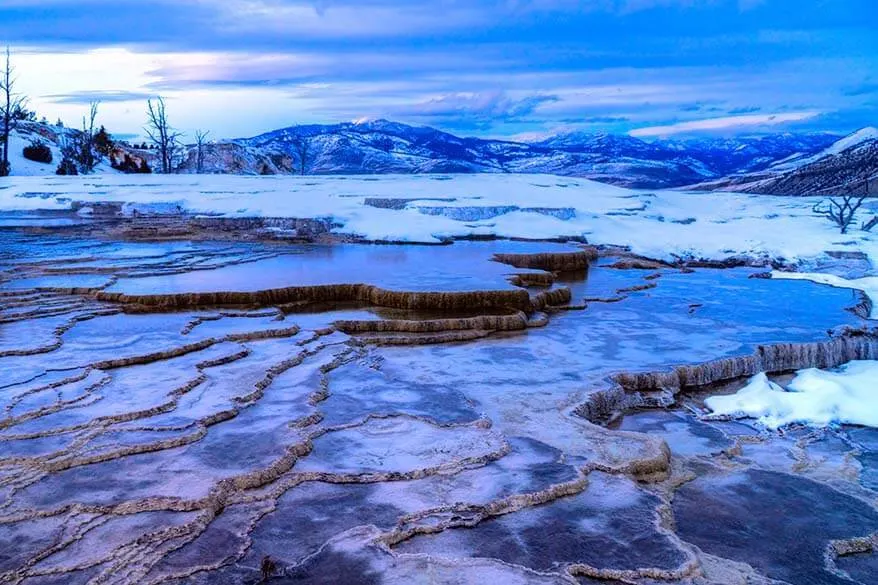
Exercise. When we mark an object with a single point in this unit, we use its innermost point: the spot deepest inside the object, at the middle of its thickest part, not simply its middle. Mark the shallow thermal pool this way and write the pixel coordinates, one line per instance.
(209, 444)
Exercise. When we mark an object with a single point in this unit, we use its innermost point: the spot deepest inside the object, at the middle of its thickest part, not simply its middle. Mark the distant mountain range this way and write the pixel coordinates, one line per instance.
(849, 165)
(380, 146)
(793, 164)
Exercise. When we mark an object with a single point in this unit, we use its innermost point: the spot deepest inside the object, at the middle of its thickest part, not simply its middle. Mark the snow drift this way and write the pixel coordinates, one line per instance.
(814, 397)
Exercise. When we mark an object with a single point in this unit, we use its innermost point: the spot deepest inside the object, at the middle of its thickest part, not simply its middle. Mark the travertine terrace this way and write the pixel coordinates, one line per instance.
(215, 411)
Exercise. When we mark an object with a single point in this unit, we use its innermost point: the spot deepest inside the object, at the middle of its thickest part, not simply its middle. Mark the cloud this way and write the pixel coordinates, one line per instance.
(494, 105)
(702, 107)
(298, 68)
(745, 110)
(495, 66)
(347, 20)
(601, 120)
(89, 96)
(476, 111)
(726, 123)
(868, 87)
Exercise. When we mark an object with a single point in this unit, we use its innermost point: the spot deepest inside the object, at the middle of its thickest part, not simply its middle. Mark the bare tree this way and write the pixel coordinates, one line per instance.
(302, 150)
(200, 141)
(840, 210)
(10, 107)
(162, 135)
(81, 147)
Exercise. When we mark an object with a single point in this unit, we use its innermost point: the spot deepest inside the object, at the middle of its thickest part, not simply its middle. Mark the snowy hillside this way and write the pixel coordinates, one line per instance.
(745, 154)
(383, 147)
(52, 137)
(24, 167)
(430, 208)
(856, 139)
(380, 147)
(849, 165)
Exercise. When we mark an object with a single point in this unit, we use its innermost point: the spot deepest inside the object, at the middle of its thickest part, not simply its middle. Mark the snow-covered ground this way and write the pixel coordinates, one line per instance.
(814, 397)
(661, 224)
(29, 168)
(22, 167)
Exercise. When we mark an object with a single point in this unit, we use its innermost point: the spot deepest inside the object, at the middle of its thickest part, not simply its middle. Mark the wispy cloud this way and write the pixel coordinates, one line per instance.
(867, 87)
(89, 96)
(745, 110)
(492, 67)
(725, 123)
(493, 104)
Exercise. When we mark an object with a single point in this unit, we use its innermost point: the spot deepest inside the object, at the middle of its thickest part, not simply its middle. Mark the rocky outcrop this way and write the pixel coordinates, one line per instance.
(533, 279)
(431, 338)
(297, 297)
(513, 322)
(360, 293)
(433, 331)
(551, 298)
(630, 390)
(551, 261)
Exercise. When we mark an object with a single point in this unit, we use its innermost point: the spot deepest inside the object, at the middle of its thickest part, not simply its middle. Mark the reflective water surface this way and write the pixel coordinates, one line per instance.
(229, 444)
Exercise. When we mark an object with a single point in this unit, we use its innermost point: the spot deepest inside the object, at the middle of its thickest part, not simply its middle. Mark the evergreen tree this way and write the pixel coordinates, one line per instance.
(22, 114)
(104, 142)
(67, 167)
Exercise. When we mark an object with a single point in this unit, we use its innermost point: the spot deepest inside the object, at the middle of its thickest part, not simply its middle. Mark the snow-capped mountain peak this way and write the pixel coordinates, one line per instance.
(384, 146)
(859, 137)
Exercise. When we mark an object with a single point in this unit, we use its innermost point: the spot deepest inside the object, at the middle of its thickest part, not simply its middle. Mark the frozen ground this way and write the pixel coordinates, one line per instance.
(427, 208)
(147, 444)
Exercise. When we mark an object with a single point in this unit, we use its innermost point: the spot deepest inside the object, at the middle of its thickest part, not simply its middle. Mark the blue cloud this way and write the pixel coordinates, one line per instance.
(746, 110)
(109, 96)
(491, 66)
(868, 87)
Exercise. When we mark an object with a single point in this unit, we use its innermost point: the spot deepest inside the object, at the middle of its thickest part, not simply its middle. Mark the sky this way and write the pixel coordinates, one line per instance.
(518, 69)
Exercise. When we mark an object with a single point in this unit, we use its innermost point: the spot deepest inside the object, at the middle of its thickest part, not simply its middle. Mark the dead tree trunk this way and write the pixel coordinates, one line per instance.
(302, 148)
(10, 104)
(160, 133)
(200, 141)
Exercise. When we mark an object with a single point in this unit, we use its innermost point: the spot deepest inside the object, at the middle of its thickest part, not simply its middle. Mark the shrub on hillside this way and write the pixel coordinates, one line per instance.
(104, 142)
(67, 167)
(38, 151)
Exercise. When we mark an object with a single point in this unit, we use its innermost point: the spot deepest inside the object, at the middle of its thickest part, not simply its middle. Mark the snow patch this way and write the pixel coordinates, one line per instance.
(667, 225)
(815, 397)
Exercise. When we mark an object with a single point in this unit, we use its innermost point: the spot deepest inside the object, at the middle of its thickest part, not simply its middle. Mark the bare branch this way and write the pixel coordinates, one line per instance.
(80, 148)
(840, 210)
(200, 141)
(302, 150)
(160, 132)
(12, 105)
